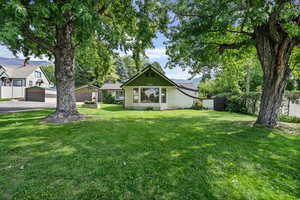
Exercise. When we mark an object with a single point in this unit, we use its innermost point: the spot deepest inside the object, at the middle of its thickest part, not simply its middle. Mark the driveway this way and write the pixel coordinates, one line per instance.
(19, 106)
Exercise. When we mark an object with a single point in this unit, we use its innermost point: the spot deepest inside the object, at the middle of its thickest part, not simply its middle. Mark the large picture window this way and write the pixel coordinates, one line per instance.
(135, 95)
(163, 95)
(150, 95)
(18, 83)
(119, 95)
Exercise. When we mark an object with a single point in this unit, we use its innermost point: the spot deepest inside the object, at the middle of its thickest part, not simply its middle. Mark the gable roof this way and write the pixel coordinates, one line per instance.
(149, 67)
(111, 86)
(186, 84)
(183, 84)
(85, 86)
(14, 71)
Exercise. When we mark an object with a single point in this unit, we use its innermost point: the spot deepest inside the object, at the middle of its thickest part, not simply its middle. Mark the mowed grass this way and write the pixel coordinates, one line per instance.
(119, 154)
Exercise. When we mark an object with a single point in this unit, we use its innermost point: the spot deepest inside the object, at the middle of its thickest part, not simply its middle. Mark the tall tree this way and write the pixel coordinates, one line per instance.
(58, 28)
(204, 29)
(126, 66)
(94, 64)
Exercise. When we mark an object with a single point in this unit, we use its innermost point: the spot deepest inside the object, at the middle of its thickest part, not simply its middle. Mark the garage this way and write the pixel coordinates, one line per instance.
(88, 93)
(40, 94)
(35, 93)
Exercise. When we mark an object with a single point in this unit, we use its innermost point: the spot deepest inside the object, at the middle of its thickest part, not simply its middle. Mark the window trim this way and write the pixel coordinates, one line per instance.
(22, 83)
(139, 94)
(155, 88)
(161, 99)
(39, 74)
(134, 95)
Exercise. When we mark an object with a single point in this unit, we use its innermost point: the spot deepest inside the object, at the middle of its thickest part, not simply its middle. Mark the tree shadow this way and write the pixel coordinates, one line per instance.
(166, 157)
(113, 107)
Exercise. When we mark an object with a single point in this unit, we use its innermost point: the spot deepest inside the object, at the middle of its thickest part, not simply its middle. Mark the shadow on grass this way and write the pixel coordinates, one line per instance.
(166, 157)
(113, 107)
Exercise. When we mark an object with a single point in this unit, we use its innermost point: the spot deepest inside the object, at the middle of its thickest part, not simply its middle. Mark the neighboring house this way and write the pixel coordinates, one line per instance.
(14, 80)
(114, 89)
(150, 89)
(88, 93)
(94, 93)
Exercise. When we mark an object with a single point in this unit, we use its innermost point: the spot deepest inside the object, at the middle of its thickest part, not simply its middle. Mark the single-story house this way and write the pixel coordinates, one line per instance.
(88, 93)
(94, 93)
(151, 89)
(114, 89)
(14, 80)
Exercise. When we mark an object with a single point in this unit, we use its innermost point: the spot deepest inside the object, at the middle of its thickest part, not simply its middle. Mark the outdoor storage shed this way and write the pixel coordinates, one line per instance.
(87, 93)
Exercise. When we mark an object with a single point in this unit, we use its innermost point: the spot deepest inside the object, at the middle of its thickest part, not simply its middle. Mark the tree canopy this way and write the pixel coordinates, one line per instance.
(203, 31)
(58, 28)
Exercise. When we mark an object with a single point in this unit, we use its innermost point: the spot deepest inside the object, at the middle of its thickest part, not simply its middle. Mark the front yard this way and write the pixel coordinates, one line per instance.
(118, 154)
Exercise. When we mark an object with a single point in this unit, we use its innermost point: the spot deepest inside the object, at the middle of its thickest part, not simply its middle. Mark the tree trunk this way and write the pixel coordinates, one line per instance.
(248, 79)
(65, 78)
(274, 55)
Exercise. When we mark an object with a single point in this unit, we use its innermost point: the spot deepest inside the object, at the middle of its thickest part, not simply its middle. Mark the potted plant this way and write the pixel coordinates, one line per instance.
(91, 104)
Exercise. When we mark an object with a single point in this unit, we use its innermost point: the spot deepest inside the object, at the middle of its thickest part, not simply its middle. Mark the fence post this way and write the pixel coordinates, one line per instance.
(288, 113)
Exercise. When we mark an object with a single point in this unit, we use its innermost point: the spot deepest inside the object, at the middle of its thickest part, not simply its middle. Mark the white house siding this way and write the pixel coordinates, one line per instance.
(32, 78)
(175, 99)
(179, 100)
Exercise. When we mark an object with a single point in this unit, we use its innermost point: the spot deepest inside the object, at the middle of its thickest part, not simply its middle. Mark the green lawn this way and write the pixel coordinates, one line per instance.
(118, 154)
(4, 99)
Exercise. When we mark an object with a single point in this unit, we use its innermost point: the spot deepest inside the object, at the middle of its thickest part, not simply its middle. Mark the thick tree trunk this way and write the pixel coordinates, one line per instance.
(274, 55)
(65, 78)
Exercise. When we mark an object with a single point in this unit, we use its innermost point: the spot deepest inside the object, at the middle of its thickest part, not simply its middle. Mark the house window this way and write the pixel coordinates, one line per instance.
(135, 95)
(30, 83)
(119, 94)
(163, 95)
(150, 95)
(38, 74)
(17, 83)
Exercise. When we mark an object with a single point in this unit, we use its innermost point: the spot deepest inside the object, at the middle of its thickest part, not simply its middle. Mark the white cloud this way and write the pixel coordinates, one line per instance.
(5, 52)
(177, 73)
(156, 53)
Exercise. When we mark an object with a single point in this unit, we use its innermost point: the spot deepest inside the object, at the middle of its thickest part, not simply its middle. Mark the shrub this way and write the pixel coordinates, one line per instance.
(198, 105)
(236, 104)
(289, 119)
(108, 98)
(89, 102)
(243, 103)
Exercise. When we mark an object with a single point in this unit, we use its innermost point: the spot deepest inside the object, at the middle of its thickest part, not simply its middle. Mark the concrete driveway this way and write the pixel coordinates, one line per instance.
(19, 106)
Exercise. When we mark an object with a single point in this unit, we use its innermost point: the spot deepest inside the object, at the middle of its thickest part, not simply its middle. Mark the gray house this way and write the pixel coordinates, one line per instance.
(114, 89)
(14, 80)
(94, 93)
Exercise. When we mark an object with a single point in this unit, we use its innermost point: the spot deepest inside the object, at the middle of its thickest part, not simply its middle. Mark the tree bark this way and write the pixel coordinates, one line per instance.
(65, 77)
(274, 54)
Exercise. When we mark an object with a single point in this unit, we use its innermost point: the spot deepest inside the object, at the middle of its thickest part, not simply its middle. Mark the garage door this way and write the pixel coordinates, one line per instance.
(35, 94)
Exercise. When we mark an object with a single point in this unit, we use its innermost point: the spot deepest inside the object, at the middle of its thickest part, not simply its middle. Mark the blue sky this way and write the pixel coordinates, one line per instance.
(155, 54)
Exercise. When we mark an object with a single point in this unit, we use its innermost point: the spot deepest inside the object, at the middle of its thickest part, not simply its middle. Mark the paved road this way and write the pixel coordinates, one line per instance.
(19, 106)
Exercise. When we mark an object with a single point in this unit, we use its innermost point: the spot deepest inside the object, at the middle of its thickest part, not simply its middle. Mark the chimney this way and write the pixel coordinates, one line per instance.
(26, 61)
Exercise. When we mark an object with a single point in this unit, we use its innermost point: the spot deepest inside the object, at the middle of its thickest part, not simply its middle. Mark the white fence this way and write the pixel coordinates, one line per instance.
(287, 108)
(12, 92)
(294, 110)
(208, 104)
